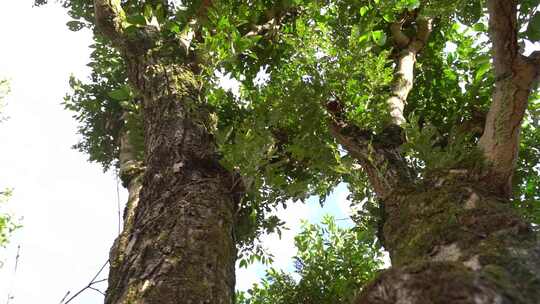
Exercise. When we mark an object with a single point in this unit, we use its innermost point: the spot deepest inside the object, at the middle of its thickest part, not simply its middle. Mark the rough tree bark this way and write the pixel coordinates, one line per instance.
(453, 237)
(179, 245)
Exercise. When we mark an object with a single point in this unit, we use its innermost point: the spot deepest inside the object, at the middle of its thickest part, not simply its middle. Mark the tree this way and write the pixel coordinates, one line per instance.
(366, 92)
(7, 224)
(189, 252)
(443, 188)
(177, 241)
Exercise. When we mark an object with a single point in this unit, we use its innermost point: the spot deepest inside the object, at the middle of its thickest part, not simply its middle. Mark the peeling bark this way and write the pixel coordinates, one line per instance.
(131, 171)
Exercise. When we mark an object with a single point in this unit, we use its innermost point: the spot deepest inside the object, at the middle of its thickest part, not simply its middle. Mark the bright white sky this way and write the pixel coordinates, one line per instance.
(69, 206)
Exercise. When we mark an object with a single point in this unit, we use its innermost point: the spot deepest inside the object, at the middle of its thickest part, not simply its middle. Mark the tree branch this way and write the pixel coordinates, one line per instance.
(379, 154)
(404, 73)
(423, 31)
(515, 75)
(90, 285)
(534, 59)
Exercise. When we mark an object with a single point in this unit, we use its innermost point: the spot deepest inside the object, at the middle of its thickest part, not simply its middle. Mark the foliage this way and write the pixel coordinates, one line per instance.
(333, 264)
(7, 223)
(105, 106)
(429, 151)
(527, 176)
(293, 59)
(4, 90)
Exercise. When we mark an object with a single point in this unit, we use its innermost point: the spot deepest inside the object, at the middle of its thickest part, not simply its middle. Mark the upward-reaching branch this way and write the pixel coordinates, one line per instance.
(515, 75)
(379, 155)
(404, 73)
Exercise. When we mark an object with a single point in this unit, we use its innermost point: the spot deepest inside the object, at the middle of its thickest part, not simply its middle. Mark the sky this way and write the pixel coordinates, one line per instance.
(68, 206)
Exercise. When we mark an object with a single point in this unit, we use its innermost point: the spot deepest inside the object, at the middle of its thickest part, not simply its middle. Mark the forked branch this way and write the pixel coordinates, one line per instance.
(379, 155)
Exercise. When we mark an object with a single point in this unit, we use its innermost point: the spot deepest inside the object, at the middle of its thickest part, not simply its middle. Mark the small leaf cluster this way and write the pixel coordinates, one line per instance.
(7, 224)
(4, 90)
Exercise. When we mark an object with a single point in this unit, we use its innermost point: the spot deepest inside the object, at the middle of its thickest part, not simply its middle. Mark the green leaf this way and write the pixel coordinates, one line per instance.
(120, 94)
(379, 37)
(75, 25)
(480, 27)
(363, 10)
(482, 70)
(136, 19)
(533, 29)
(243, 264)
(148, 12)
(173, 27)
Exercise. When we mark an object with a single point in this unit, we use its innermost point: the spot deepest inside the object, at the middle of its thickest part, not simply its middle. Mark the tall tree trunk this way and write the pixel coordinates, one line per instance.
(180, 246)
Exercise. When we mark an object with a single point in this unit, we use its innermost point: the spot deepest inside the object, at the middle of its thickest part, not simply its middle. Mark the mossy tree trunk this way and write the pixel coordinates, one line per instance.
(453, 237)
(451, 241)
(178, 246)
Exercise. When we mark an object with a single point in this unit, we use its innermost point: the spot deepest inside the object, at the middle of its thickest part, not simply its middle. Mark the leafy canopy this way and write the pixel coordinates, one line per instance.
(293, 59)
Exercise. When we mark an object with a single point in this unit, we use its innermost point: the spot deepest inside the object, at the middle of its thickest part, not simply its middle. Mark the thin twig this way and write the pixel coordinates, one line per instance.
(89, 286)
(10, 293)
(100, 281)
(67, 294)
(97, 290)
